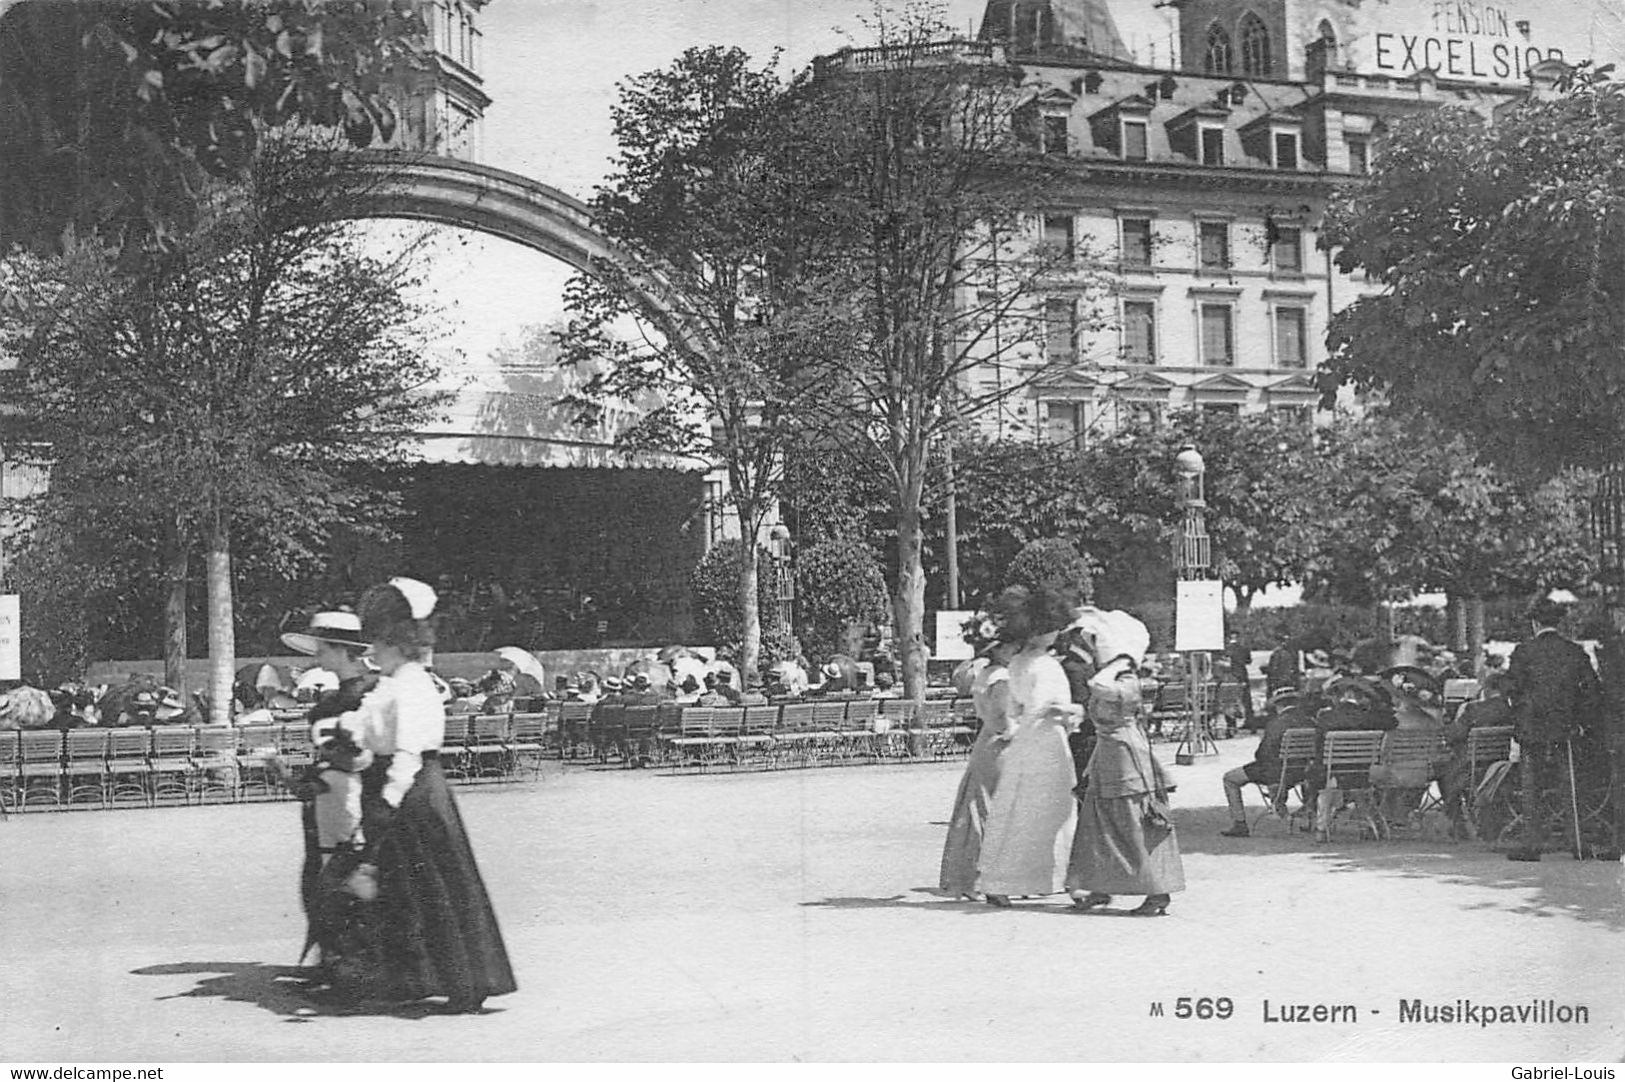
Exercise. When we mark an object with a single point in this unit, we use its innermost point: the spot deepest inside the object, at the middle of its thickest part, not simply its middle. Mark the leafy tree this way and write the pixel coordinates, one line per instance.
(113, 115)
(1263, 484)
(1501, 252)
(696, 195)
(233, 383)
(916, 169)
(715, 586)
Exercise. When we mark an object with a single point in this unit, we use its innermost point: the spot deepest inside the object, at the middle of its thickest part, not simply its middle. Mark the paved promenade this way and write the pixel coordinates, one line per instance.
(788, 915)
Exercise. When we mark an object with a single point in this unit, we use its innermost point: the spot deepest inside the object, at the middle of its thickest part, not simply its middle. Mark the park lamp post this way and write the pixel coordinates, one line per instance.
(780, 547)
(1193, 562)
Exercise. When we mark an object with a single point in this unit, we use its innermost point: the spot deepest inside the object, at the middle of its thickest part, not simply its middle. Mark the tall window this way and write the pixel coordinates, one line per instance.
(1228, 408)
(1140, 332)
(1216, 54)
(1058, 234)
(1137, 242)
(1290, 340)
(1287, 251)
(1060, 328)
(1255, 46)
(1212, 145)
(1218, 341)
(713, 512)
(1286, 150)
(1140, 414)
(1055, 137)
(1064, 422)
(1359, 154)
(1213, 245)
(1134, 140)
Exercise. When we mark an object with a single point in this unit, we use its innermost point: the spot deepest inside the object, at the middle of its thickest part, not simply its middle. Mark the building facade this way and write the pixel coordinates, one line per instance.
(1198, 191)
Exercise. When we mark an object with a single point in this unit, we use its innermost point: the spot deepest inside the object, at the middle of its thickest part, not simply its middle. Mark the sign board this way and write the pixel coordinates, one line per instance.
(11, 638)
(951, 644)
(1456, 39)
(1199, 615)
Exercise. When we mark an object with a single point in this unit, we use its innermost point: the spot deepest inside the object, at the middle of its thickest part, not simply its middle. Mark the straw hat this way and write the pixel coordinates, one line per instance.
(339, 628)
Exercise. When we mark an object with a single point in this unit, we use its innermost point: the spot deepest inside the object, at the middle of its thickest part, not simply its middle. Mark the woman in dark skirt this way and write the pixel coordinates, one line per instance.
(435, 931)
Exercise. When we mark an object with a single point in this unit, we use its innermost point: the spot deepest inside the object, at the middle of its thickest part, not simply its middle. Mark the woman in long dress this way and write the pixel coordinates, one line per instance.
(1125, 843)
(1030, 822)
(435, 930)
(990, 691)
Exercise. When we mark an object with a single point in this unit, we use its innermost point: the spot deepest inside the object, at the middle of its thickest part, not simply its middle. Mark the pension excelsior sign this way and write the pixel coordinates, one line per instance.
(1459, 39)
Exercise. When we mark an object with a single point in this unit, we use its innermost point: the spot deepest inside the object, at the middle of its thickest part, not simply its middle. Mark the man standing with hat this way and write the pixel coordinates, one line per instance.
(1555, 695)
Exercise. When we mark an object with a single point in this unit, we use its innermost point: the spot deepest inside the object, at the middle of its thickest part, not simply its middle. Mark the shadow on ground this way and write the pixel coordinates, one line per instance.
(274, 988)
(1583, 890)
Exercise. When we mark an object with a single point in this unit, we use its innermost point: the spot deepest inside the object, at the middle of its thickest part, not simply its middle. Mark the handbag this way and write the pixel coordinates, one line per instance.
(1154, 816)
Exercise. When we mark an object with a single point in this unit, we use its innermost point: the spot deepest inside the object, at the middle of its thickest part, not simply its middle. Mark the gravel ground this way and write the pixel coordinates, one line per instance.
(789, 916)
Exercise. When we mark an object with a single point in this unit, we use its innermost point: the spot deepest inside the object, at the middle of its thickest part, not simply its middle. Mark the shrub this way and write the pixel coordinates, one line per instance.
(716, 593)
(838, 584)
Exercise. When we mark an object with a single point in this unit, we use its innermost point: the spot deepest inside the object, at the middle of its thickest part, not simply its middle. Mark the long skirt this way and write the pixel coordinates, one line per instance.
(963, 847)
(1030, 822)
(1111, 853)
(437, 934)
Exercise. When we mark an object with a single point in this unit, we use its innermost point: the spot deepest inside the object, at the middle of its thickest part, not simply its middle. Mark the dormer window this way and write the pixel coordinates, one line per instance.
(1286, 150)
(1055, 135)
(1211, 142)
(1135, 139)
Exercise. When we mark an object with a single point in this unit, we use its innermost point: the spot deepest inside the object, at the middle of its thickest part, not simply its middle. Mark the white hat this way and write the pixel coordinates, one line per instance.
(1115, 634)
(420, 596)
(831, 670)
(343, 628)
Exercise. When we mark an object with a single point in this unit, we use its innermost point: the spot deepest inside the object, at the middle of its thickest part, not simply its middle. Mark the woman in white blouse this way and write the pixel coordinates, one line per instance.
(435, 930)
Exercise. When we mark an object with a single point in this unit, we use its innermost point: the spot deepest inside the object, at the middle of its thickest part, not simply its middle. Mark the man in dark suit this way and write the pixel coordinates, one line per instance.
(1555, 694)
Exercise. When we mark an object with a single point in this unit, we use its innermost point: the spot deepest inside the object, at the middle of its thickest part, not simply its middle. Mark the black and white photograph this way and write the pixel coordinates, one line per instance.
(591, 532)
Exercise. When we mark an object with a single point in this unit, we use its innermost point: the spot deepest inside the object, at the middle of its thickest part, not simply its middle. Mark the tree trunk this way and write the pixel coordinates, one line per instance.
(1456, 612)
(1244, 605)
(750, 646)
(1475, 632)
(177, 564)
(909, 602)
(222, 633)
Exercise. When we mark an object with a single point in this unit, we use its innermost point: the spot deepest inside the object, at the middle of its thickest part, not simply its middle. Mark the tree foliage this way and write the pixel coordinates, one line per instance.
(237, 380)
(1501, 252)
(1051, 563)
(839, 584)
(113, 115)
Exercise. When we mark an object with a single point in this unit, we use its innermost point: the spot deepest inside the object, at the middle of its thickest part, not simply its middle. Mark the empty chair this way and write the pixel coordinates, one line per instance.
(829, 738)
(256, 745)
(11, 750)
(797, 735)
(40, 767)
(214, 759)
(527, 741)
(862, 730)
(129, 767)
(574, 719)
(85, 774)
(454, 757)
(173, 769)
(756, 740)
(489, 755)
(692, 744)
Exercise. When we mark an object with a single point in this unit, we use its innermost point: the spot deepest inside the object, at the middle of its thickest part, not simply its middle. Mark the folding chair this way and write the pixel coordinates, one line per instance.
(829, 736)
(967, 725)
(1348, 757)
(454, 758)
(1490, 792)
(574, 718)
(214, 761)
(293, 745)
(256, 744)
(489, 755)
(1172, 704)
(862, 730)
(797, 735)
(668, 726)
(129, 769)
(693, 740)
(639, 736)
(1297, 752)
(935, 719)
(527, 740)
(727, 725)
(11, 750)
(756, 739)
(85, 774)
(606, 731)
(173, 770)
(1407, 757)
(40, 766)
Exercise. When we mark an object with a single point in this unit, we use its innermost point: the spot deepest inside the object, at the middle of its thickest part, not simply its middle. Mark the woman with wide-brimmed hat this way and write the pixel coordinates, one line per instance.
(436, 932)
(967, 823)
(330, 789)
